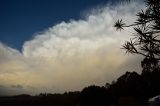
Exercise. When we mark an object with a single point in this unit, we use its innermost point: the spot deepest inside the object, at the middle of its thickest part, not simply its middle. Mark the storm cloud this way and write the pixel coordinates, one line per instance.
(71, 55)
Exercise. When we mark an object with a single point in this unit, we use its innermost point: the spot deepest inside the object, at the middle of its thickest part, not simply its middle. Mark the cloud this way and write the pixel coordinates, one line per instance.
(71, 55)
(12, 90)
(17, 86)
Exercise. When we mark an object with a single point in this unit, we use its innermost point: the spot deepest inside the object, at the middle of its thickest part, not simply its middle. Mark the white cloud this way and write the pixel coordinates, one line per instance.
(71, 55)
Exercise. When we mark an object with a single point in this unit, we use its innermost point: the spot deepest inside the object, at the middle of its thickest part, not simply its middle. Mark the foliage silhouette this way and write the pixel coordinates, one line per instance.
(95, 96)
(145, 40)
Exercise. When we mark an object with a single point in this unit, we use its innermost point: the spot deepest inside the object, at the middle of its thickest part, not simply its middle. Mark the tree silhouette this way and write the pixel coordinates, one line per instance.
(95, 96)
(146, 39)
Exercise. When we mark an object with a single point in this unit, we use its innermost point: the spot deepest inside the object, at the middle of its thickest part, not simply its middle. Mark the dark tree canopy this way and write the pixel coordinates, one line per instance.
(95, 96)
(146, 38)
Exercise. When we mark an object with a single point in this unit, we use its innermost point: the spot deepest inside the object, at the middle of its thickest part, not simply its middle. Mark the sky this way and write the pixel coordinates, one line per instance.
(20, 19)
(55, 46)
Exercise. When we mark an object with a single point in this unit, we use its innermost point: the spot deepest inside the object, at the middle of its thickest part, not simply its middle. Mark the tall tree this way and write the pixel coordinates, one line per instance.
(146, 40)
